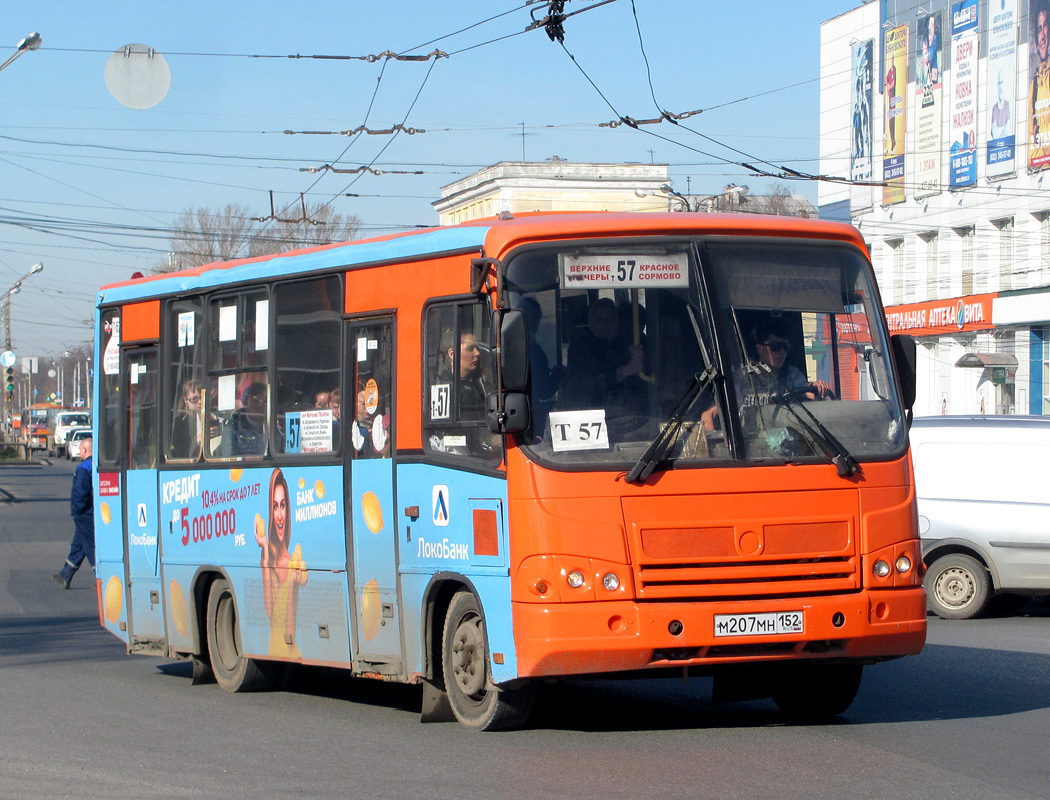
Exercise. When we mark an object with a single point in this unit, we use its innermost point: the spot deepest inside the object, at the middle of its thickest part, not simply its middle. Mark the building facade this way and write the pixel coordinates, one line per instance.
(522, 186)
(935, 127)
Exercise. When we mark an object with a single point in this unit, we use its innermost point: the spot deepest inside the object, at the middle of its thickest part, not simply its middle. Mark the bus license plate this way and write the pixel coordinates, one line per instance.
(769, 624)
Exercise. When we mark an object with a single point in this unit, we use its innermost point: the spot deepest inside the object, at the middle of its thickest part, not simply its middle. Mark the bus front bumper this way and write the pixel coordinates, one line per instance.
(563, 639)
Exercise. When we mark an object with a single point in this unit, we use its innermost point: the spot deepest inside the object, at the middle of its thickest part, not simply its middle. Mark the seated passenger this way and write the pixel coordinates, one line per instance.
(471, 386)
(246, 435)
(602, 368)
(186, 426)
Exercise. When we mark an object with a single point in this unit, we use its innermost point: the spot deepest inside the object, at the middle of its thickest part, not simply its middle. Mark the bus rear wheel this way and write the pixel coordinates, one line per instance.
(476, 701)
(233, 672)
(814, 692)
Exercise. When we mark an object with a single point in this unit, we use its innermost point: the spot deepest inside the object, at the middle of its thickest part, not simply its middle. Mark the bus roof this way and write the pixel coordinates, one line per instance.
(493, 235)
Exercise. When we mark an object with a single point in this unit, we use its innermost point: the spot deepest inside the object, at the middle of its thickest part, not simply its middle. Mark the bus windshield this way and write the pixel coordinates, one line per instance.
(749, 350)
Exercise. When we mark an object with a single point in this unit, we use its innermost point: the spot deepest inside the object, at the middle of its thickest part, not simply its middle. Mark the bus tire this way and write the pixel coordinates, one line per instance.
(476, 701)
(233, 672)
(957, 587)
(814, 692)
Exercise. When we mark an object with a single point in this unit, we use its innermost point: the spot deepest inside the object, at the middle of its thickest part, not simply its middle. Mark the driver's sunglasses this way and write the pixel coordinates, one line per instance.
(193, 398)
(776, 347)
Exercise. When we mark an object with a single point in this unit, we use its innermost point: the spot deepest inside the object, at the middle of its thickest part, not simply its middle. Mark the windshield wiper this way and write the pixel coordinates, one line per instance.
(654, 453)
(845, 463)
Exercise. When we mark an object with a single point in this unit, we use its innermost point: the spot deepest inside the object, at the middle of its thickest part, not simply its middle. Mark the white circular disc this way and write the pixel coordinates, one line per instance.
(138, 76)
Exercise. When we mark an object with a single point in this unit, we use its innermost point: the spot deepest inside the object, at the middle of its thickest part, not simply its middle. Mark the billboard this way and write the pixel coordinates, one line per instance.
(895, 79)
(928, 106)
(1039, 80)
(861, 135)
(964, 95)
(1001, 80)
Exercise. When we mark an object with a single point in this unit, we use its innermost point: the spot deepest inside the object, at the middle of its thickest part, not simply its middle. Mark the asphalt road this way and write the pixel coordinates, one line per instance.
(969, 718)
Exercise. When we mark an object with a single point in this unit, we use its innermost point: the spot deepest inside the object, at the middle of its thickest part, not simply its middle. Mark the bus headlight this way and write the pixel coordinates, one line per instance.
(881, 568)
(575, 579)
(903, 565)
(611, 582)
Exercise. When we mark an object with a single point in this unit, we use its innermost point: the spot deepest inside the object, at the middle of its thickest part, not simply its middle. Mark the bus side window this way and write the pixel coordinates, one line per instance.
(458, 380)
(237, 400)
(370, 415)
(306, 397)
(185, 429)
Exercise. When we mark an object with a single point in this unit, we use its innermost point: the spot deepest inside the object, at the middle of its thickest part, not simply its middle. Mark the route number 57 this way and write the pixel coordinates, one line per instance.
(579, 430)
(625, 270)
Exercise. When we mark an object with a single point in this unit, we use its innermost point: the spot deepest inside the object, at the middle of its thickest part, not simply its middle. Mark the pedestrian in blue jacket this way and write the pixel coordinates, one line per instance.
(82, 507)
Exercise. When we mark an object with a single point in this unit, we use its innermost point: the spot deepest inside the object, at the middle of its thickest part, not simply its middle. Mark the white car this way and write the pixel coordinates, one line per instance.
(73, 439)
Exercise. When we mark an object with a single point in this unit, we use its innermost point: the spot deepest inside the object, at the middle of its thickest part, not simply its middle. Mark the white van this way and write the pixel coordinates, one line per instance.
(65, 421)
(984, 513)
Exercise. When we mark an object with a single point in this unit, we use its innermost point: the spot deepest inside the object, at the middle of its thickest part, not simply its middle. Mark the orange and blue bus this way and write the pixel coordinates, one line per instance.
(511, 451)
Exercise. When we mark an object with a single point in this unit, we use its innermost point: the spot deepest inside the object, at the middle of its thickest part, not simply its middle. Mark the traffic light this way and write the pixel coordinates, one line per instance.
(9, 383)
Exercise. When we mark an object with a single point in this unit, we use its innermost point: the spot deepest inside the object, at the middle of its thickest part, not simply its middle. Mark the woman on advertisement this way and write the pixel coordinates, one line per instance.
(283, 572)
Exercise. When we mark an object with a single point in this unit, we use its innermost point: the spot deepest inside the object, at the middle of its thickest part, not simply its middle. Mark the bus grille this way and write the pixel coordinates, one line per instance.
(773, 561)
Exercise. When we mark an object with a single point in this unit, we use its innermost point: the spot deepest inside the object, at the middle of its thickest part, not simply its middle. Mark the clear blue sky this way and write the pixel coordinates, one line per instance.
(90, 187)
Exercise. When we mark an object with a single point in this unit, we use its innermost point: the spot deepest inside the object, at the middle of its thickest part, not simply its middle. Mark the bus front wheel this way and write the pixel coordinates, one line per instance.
(475, 700)
(233, 672)
(814, 692)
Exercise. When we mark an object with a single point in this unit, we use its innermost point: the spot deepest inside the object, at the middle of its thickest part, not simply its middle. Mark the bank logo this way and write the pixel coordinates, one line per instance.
(440, 506)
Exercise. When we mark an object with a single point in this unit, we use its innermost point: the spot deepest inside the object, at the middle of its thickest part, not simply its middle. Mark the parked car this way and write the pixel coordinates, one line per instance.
(984, 516)
(73, 440)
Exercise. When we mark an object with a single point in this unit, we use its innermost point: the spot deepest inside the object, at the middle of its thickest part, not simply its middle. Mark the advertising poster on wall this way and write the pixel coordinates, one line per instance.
(1039, 79)
(964, 95)
(1001, 80)
(861, 148)
(895, 79)
(928, 106)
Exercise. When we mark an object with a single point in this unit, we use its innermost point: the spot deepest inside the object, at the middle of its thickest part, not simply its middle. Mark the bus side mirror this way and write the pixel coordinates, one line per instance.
(903, 347)
(515, 416)
(513, 350)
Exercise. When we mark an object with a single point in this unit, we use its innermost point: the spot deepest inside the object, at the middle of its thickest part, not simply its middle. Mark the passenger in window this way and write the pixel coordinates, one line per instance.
(321, 399)
(471, 386)
(247, 435)
(602, 368)
(186, 427)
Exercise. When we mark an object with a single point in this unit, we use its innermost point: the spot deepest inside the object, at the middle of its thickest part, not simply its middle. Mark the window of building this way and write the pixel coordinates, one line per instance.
(966, 262)
(1044, 247)
(1006, 252)
(897, 269)
(932, 264)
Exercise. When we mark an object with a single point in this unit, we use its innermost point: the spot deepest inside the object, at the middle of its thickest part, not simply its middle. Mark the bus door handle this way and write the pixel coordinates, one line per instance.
(412, 512)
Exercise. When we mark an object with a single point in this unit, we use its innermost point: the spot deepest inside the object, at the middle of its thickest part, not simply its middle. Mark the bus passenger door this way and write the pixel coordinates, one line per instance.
(367, 416)
(142, 527)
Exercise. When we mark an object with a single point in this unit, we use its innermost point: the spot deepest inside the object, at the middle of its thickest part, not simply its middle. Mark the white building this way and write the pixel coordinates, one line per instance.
(961, 240)
(554, 185)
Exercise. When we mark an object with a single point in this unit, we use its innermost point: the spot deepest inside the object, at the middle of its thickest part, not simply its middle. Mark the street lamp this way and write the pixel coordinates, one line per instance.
(16, 287)
(680, 197)
(31, 42)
